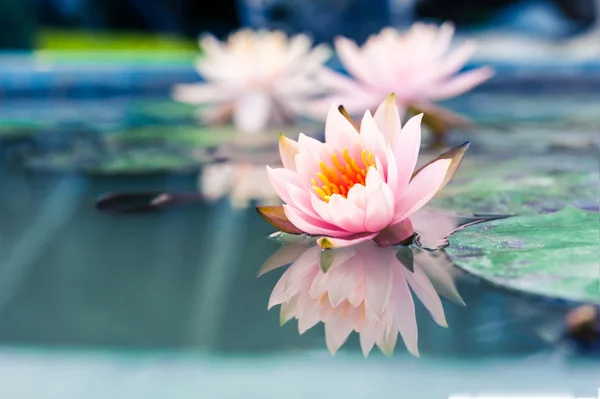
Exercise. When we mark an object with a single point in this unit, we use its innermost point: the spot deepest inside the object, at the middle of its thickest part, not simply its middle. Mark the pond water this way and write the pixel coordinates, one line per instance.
(168, 304)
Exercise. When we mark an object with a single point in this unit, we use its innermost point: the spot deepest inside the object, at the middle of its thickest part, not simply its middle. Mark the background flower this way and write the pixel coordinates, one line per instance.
(255, 78)
(416, 65)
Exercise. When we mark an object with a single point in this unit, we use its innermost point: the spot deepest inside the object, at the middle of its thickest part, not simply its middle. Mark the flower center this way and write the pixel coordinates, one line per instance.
(345, 173)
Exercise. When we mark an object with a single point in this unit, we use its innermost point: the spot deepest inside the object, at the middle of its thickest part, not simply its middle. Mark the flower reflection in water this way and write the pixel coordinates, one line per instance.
(243, 182)
(363, 288)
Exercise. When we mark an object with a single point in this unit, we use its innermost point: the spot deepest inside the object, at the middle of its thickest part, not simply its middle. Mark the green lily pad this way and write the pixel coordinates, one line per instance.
(164, 110)
(11, 131)
(554, 255)
(174, 135)
(131, 161)
(522, 186)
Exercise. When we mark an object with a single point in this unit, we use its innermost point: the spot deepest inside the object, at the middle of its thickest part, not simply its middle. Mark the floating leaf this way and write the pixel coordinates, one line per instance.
(136, 161)
(174, 135)
(554, 255)
(522, 185)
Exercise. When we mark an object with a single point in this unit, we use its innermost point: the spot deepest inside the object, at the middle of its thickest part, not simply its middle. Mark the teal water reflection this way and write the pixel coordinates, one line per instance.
(167, 304)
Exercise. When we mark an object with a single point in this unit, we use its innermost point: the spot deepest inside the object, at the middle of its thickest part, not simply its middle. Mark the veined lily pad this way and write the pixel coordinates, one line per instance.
(522, 186)
(554, 255)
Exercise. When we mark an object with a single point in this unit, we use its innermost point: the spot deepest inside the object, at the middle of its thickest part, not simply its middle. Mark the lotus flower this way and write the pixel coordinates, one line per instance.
(257, 78)
(365, 289)
(415, 65)
(360, 184)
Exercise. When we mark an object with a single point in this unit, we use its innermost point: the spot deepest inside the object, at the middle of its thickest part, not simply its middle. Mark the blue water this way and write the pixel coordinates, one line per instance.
(167, 304)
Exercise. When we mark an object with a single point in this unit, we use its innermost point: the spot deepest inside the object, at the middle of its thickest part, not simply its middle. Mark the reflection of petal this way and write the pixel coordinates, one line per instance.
(367, 291)
(405, 318)
(252, 112)
(285, 255)
(441, 273)
(424, 290)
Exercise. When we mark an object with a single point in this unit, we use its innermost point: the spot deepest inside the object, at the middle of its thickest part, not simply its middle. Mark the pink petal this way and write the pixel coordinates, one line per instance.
(285, 255)
(338, 242)
(388, 342)
(357, 195)
(345, 215)
(462, 83)
(358, 295)
(252, 112)
(352, 59)
(278, 295)
(301, 199)
(427, 294)
(339, 132)
(312, 225)
(444, 38)
(405, 317)
(367, 339)
(421, 189)
(387, 118)
(456, 60)
(298, 48)
(288, 149)
(287, 311)
(281, 179)
(378, 284)
(307, 313)
(337, 331)
(406, 152)
(373, 139)
(392, 171)
(301, 273)
(380, 202)
(319, 285)
(315, 59)
(344, 279)
(200, 93)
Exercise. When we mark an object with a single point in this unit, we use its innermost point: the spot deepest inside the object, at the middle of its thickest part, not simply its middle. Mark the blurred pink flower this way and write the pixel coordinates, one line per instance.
(255, 78)
(415, 65)
(365, 289)
(361, 183)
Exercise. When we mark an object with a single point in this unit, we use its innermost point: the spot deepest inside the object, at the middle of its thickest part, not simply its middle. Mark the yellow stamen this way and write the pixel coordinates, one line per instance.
(363, 157)
(343, 175)
(320, 192)
(323, 178)
(337, 164)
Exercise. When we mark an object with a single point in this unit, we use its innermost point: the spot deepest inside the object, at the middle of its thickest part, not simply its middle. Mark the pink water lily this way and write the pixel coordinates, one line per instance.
(365, 289)
(255, 79)
(417, 65)
(360, 184)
